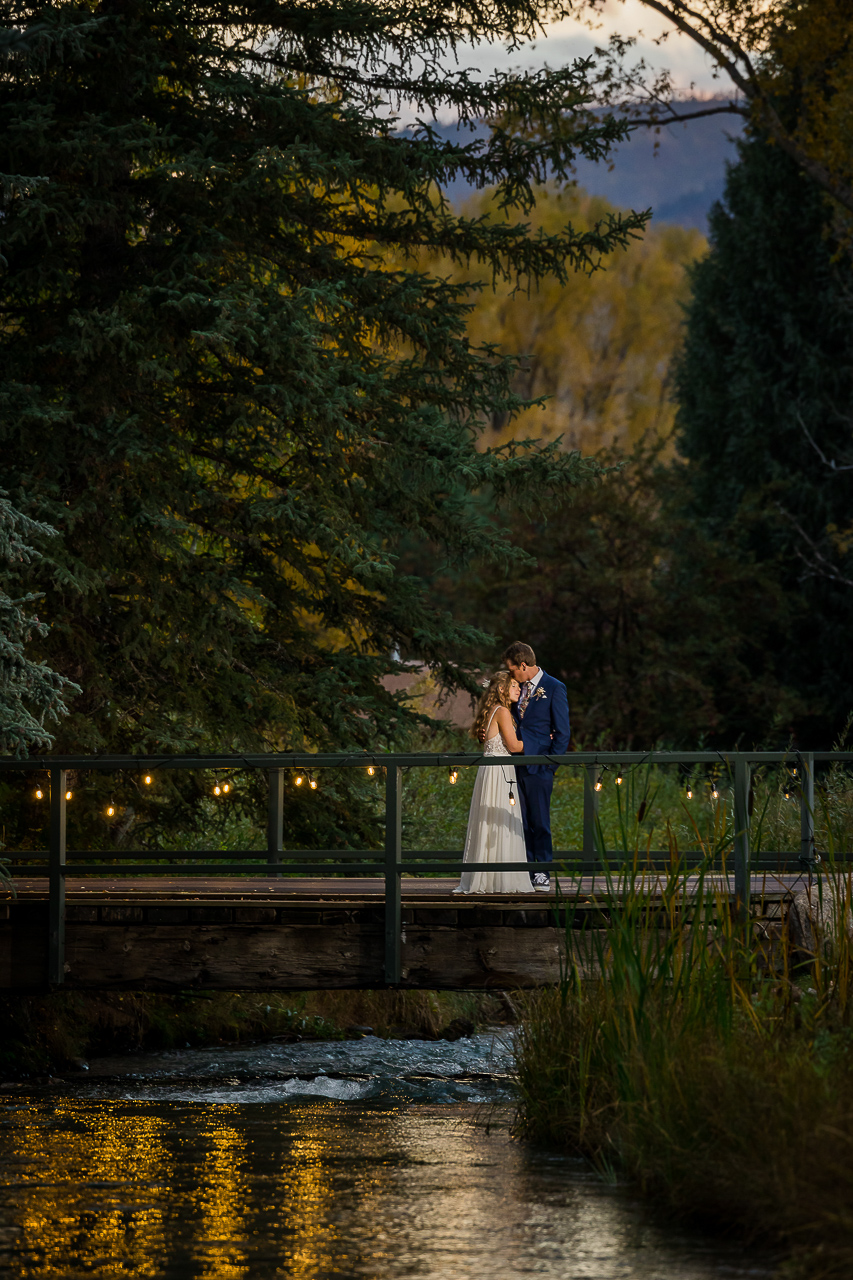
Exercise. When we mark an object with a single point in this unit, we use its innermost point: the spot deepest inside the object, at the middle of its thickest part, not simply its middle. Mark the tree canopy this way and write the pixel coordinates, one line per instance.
(216, 385)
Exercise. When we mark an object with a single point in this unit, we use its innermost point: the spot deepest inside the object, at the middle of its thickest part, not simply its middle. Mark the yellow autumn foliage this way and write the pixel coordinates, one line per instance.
(599, 346)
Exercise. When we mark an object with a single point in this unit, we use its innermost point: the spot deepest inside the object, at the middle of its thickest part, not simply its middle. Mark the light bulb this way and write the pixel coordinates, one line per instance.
(68, 795)
(110, 810)
(370, 771)
(147, 779)
(511, 798)
(217, 790)
(452, 775)
(715, 795)
(39, 793)
(597, 786)
(226, 787)
(793, 773)
(619, 778)
(312, 783)
(689, 793)
(299, 779)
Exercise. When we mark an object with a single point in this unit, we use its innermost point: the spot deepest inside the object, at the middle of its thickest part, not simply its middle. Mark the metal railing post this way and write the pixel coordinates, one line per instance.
(807, 850)
(741, 837)
(56, 880)
(275, 815)
(590, 810)
(393, 872)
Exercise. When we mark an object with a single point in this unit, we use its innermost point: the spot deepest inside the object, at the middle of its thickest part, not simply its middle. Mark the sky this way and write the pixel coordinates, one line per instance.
(683, 175)
(569, 38)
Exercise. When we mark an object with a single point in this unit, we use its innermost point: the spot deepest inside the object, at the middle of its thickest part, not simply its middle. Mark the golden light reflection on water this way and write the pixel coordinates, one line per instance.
(178, 1190)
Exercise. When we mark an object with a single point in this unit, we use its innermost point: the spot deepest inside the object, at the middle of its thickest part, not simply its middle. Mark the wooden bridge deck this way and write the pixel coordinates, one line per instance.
(417, 891)
(266, 933)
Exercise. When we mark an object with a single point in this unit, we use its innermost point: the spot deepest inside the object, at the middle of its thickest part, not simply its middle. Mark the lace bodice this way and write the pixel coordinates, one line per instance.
(495, 746)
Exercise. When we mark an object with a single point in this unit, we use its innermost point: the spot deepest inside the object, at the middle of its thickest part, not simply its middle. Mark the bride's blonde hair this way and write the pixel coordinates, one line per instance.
(497, 695)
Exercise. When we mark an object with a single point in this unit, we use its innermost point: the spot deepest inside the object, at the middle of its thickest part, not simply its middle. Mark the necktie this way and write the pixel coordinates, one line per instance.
(524, 699)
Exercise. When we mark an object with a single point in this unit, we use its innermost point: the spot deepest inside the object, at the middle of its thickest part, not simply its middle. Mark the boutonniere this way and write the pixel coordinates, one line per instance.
(539, 693)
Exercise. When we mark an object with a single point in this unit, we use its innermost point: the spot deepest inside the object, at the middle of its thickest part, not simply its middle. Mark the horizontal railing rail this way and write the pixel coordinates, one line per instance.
(733, 769)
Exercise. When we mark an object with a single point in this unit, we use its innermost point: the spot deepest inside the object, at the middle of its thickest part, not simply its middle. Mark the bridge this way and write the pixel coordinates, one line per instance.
(296, 919)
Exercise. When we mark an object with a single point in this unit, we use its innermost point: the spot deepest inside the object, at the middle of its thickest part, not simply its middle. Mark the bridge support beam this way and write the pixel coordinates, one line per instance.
(275, 815)
(56, 879)
(807, 849)
(741, 838)
(590, 811)
(393, 873)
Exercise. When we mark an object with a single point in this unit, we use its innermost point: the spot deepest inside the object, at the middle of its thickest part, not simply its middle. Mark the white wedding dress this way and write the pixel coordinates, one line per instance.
(495, 833)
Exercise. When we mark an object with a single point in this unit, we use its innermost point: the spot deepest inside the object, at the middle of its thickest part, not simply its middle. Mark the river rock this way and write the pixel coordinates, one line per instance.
(457, 1029)
(813, 921)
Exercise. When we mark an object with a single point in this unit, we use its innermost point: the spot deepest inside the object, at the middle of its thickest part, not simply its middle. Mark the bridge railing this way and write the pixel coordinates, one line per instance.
(733, 770)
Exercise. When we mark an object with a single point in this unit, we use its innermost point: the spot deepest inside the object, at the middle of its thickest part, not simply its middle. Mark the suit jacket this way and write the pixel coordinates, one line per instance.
(544, 729)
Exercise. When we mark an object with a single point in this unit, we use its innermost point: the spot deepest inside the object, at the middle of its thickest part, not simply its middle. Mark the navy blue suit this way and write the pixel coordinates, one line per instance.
(544, 729)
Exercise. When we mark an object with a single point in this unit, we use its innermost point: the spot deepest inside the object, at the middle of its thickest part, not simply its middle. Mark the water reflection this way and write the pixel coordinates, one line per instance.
(312, 1190)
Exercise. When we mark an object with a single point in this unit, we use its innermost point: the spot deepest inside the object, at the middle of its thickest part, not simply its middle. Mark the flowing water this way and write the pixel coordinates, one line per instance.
(370, 1158)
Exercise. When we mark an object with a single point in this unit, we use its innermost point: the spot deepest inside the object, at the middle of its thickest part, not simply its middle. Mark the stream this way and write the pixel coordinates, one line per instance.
(317, 1161)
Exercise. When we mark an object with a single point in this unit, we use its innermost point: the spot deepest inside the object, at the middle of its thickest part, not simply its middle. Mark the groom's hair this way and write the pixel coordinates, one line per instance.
(518, 653)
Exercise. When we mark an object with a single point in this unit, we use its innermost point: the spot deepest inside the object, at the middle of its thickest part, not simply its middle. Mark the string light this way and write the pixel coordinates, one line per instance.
(689, 792)
(147, 779)
(511, 797)
(39, 793)
(226, 787)
(111, 810)
(299, 780)
(597, 785)
(371, 769)
(715, 794)
(312, 783)
(619, 776)
(452, 775)
(217, 790)
(68, 795)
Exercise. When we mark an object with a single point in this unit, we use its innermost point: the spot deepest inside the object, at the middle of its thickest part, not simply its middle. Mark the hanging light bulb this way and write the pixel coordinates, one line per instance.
(597, 785)
(787, 791)
(312, 783)
(619, 776)
(689, 792)
(39, 793)
(111, 810)
(299, 779)
(217, 790)
(452, 775)
(794, 772)
(511, 797)
(68, 795)
(371, 769)
(147, 779)
(715, 794)
(226, 787)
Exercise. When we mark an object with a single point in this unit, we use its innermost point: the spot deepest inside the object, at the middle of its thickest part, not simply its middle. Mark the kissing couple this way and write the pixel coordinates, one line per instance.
(523, 710)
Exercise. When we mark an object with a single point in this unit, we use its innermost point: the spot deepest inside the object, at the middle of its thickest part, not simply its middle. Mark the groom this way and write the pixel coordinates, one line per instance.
(542, 713)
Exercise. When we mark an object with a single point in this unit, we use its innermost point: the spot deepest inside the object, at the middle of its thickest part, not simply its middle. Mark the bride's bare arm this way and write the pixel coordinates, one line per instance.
(507, 731)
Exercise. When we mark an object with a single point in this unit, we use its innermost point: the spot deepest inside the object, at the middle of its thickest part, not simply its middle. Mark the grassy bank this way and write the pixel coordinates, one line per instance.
(55, 1032)
(712, 1063)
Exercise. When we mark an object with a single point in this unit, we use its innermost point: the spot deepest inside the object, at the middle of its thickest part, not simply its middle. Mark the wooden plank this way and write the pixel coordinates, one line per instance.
(349, 956)
(351, 890)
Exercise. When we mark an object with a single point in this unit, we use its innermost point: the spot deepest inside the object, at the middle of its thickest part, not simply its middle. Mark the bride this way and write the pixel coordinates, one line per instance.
(495, 833)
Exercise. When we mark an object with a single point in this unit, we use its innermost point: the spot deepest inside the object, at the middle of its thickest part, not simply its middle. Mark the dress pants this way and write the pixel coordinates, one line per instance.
(534, 791)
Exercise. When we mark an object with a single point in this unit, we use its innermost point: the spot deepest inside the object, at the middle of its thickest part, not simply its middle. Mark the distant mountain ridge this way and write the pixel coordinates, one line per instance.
(679, 179)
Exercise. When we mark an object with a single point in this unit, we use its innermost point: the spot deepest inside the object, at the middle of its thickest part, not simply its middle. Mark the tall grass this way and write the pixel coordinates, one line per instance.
(706, 1058)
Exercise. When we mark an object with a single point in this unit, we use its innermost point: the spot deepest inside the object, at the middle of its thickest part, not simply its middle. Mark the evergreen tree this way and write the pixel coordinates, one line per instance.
(31, 695)
(764, 388)
(219, 387)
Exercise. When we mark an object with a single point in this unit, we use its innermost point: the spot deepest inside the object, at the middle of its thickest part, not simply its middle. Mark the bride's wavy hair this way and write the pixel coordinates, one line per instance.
(497, 695)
